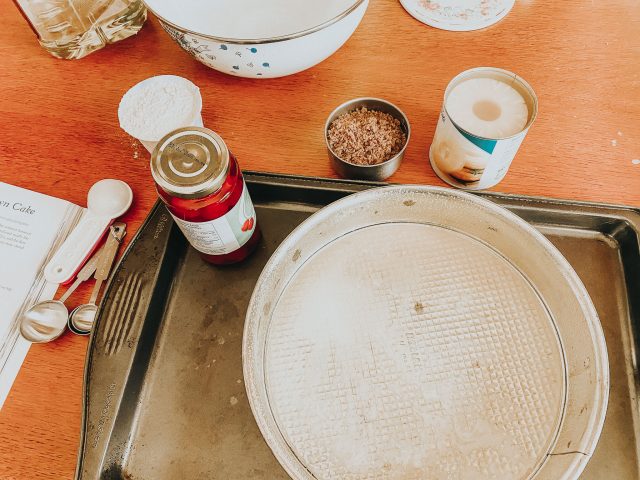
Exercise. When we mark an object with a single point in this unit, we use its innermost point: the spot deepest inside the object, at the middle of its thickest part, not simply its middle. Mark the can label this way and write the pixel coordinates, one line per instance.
(225, 234)
(464, 160)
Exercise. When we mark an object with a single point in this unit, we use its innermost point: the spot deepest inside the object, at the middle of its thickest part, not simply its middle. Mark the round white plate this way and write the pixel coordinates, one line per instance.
(458, 15)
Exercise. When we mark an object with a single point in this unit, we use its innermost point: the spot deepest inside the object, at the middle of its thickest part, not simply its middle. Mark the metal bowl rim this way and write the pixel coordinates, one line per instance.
(258, 41)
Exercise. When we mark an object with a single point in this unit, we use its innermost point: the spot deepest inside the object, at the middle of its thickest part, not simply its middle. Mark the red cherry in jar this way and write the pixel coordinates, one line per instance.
(201, 184)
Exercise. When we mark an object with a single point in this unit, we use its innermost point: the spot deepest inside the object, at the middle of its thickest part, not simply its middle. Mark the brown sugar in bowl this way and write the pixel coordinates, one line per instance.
(366, 164)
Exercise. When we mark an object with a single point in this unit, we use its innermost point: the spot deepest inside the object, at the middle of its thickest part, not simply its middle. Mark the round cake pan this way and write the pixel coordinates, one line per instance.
(415, 332)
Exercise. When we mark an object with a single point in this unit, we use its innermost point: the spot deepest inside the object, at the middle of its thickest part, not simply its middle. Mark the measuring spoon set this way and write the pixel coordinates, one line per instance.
(47, 320)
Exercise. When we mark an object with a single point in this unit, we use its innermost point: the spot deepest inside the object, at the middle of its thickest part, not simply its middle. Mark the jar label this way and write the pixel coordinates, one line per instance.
(225, 234)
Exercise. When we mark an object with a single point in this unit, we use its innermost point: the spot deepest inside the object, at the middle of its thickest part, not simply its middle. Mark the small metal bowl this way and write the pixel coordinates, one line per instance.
(378, 172)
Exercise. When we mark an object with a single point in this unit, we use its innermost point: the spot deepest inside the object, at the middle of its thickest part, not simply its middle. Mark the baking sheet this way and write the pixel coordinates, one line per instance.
(164, 389)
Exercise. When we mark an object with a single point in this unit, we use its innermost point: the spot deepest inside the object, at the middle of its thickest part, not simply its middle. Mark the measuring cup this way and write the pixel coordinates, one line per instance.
(82, 317)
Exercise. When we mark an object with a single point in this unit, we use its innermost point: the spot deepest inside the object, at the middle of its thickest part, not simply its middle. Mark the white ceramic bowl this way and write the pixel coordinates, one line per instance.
(259, 38)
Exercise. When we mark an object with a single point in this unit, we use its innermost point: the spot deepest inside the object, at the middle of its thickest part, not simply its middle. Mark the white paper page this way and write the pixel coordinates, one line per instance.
(12, 366)
(32, 226)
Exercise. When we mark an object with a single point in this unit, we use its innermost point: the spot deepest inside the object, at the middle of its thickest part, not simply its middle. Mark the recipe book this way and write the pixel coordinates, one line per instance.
(32, 228)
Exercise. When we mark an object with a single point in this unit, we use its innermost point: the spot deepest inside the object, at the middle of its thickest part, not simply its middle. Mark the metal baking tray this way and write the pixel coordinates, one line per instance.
(164, 396)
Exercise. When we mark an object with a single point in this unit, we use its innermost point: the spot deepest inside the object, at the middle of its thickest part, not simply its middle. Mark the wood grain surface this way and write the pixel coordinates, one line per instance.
(59, 134)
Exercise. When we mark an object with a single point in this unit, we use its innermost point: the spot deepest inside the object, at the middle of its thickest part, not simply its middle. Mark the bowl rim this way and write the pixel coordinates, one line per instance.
(374, 99)
(257, 41)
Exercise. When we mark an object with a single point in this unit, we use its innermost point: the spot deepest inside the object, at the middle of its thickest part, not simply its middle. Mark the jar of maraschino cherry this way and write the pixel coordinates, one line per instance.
(201, 184)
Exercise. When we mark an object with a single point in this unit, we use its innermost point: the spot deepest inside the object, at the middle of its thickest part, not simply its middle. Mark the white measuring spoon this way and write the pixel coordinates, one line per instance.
(107, 200)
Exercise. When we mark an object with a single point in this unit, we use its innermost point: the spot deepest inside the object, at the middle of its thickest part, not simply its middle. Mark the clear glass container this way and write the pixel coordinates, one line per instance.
(75, 28)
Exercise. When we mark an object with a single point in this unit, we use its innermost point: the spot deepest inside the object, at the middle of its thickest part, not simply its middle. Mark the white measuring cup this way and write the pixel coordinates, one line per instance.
(106, 201)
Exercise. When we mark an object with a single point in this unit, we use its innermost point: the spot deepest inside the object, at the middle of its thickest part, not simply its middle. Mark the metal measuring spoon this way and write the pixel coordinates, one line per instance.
(45, 321)
(82, 317)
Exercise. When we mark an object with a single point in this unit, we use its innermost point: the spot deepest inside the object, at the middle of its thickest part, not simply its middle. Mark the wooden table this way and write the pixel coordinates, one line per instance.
(59, 134)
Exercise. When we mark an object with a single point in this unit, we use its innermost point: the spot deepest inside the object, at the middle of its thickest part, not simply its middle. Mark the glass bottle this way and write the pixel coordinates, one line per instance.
(201, 184)
(75, 28)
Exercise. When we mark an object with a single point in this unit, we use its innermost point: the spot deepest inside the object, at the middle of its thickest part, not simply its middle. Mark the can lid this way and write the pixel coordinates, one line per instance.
(190, 162)
(458, 15)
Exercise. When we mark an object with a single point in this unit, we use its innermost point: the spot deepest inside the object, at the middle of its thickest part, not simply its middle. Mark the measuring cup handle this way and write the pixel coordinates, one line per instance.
(76, 248)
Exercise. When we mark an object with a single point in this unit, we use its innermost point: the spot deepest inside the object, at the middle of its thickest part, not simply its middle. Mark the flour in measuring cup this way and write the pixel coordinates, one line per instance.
(159, 105)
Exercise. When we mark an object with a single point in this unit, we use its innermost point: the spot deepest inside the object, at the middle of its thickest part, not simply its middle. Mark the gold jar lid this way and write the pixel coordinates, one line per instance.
(190, 162)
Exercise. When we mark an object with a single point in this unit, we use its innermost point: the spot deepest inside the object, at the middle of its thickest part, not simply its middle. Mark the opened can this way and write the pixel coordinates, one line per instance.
(200, 182)
(467, 160)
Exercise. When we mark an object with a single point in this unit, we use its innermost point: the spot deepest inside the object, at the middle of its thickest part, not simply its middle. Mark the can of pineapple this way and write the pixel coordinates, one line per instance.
(485, 116)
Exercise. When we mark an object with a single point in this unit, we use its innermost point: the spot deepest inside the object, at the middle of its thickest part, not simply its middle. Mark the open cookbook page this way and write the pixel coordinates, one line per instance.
(32, 227)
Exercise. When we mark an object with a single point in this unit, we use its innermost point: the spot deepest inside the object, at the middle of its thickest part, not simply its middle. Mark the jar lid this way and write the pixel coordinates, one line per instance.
(458, 15)
(190, 162)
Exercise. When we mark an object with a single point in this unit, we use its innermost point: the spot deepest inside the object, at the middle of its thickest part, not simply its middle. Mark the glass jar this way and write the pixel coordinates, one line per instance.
(201, 184)
(75, 28)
